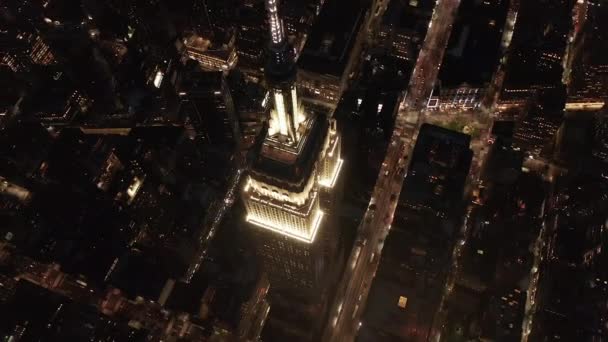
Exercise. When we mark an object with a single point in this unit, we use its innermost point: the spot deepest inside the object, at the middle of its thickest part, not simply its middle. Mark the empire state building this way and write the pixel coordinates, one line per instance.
(290, 190)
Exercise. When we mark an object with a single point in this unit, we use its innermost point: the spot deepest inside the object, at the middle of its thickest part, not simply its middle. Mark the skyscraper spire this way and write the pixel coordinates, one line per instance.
(277, 35)
(280, 76)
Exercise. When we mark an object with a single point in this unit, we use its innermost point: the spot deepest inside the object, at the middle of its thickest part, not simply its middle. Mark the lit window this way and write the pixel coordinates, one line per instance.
(158, 79)
(402, 302)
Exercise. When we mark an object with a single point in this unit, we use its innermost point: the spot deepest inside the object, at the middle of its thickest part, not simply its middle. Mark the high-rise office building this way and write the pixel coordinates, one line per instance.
(208, 103)
(325, 60)
(588, 74)
(251, 34)
(438, 170)
(288, 195)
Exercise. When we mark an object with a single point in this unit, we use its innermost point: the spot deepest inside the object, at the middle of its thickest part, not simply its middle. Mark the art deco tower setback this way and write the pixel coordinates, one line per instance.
(280, 76)
(288, 193)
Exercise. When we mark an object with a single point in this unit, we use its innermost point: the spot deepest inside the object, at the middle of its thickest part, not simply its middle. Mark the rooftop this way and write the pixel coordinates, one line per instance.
(332, 37)
(439, 167)
(289, 166)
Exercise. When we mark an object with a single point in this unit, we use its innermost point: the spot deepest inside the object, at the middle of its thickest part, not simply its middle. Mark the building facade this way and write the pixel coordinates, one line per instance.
(210, 56)
(289, 191)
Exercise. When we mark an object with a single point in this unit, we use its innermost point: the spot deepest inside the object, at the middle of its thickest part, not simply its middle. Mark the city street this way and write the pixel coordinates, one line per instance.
(212, 222)
(327, 170)
(352, 295)
(498, 78)
(372, 20)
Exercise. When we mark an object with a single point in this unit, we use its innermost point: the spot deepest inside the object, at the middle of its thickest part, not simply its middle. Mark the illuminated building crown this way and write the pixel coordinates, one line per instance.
(286, 116)
(300, 156)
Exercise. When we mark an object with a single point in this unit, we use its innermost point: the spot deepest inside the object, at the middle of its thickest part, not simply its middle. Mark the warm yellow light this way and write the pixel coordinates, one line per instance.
(247, 185)
(333, 148)
(289, 231)
(276, 27)
(585, 105)
(330, 182)
(158, 79)
(280, 107)
(402, 302)
(298, 116)
(290, 203)
(134, 187)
